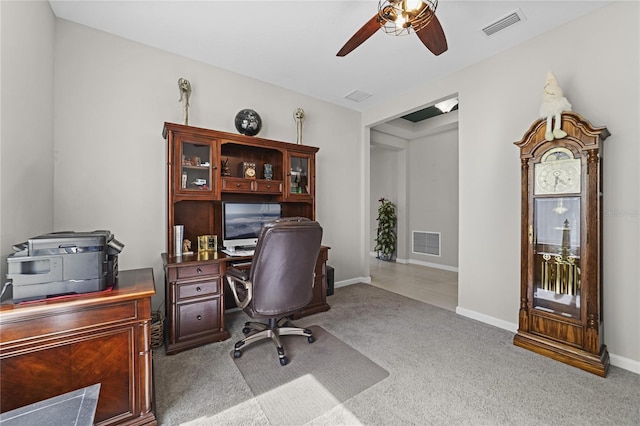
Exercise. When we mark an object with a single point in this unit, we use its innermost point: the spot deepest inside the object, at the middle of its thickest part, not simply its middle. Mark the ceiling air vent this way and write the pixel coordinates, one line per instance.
(502, 23)
(358, 96)
(426, 243)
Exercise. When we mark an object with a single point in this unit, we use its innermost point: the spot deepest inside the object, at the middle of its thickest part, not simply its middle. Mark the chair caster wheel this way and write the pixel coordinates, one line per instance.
(246, 331)
(237, 354)
(311, 339)
(284, 361)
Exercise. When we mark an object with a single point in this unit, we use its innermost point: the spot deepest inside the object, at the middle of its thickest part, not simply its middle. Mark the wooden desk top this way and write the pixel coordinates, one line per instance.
(131, 284)
(208, 256)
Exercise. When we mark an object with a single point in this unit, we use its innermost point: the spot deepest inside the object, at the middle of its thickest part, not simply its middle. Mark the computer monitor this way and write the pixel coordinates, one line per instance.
(242, 221)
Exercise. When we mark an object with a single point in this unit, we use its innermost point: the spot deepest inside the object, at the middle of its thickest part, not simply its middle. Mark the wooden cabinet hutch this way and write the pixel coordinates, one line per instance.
(205, 169)
(561, 256)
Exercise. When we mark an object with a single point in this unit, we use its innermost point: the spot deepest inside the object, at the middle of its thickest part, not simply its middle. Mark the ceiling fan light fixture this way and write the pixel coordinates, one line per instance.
(413, 5)
(399, 17)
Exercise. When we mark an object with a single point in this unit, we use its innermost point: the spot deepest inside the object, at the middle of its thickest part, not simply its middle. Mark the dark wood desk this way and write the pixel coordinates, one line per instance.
(51, 347)
(195, 297)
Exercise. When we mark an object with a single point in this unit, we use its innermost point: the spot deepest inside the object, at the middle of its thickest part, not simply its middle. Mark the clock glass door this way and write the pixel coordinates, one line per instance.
(557, 255)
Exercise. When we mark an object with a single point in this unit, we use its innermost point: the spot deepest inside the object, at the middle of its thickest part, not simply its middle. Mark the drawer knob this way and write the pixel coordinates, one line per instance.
(199, 270)
(268, 186)
(238, 185)
(199, 317)
(198, 289)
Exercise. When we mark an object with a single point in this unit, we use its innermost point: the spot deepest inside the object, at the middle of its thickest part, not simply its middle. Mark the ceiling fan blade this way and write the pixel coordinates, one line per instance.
(432, 36)
(361, 35)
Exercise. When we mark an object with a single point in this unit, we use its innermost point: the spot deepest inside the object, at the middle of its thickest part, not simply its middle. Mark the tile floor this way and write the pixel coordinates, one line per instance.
(430, 285)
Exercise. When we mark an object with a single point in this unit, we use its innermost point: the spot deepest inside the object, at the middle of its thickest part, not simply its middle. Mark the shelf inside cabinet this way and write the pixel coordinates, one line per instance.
(234, 155)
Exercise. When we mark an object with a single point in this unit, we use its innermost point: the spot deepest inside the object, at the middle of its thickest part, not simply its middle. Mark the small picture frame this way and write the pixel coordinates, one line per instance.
(207, 243)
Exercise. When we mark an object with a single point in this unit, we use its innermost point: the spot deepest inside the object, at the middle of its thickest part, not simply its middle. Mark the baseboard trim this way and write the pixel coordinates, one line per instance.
(625, 363)
(496, 322)
(433, 265)
(617, 360)
(422, 263)
(344, 283)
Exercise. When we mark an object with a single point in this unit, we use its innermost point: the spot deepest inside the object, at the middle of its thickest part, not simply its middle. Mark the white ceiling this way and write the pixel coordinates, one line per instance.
(293, 44)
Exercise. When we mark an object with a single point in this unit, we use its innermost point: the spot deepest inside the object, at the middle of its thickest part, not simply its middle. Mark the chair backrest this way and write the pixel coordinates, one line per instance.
(282, 270)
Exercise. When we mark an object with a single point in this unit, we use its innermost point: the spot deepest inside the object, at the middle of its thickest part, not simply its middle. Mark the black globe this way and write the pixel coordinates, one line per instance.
(248, 122)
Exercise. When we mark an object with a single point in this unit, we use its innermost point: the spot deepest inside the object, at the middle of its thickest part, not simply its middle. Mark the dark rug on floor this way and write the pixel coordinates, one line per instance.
(318, 377)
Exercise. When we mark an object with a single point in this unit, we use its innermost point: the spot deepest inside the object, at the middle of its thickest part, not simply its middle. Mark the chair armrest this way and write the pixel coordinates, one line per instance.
(241, 274)
(237, 277)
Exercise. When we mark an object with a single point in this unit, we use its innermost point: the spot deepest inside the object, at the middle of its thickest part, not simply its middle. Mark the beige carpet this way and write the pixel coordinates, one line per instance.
(444, 369)
(319, 376)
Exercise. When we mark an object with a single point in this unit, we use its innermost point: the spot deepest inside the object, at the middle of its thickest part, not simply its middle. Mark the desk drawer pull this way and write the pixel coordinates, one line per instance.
(238, 185)
(198, 289)
(199, 270)
(199, 317)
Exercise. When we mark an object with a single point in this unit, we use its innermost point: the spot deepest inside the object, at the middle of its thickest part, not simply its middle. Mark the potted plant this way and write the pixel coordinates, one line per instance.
(386, 233)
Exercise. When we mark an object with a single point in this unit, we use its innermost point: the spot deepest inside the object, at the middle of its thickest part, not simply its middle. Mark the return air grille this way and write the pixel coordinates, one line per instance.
(512, 18)
(426, 243)
(358, 96)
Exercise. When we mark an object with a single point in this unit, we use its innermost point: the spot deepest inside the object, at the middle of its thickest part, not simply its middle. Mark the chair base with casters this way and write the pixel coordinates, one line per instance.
(273, 330)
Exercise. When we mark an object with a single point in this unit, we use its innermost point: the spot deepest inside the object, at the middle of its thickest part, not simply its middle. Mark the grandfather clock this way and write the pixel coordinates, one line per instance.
(561, 250)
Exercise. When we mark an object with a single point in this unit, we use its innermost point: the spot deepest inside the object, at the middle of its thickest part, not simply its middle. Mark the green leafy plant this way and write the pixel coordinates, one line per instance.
(386, 233)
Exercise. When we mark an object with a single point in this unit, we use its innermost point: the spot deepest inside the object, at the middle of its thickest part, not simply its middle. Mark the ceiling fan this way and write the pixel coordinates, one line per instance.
(400, 17)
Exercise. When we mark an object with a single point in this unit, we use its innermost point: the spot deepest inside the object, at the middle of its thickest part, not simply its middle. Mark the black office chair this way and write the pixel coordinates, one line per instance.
(279, 282)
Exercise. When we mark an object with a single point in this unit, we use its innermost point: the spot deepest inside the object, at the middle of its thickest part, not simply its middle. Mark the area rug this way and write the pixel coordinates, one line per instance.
(318, 377)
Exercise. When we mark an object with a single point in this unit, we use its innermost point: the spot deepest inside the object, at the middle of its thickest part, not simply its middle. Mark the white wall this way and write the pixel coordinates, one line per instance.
(112, 98)
(433, 194)
(388, 176)
(26, 135)
(499, 99)
(384, 183)
(421, 177)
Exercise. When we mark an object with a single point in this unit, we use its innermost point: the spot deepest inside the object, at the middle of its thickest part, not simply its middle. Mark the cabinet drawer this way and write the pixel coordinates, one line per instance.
(236, 185)
(197, 318)
(269, 186)
(198, 270)
(203, 288)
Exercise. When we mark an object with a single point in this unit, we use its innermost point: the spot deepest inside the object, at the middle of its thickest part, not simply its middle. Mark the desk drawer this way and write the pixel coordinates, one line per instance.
(236, 185)
(198, 270)
(203, 288)
(269, 186)
(198, 318)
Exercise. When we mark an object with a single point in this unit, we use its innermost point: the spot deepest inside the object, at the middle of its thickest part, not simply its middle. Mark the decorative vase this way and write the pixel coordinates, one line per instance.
(384, 256)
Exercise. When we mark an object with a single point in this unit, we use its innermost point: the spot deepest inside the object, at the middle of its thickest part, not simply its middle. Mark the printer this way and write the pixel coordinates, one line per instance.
(63, 263)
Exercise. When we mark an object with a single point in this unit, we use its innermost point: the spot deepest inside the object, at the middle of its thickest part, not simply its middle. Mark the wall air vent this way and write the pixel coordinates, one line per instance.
(502, 23)
(426, 243)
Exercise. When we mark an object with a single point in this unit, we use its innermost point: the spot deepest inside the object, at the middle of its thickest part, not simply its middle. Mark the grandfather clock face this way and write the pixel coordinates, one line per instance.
(558, 172)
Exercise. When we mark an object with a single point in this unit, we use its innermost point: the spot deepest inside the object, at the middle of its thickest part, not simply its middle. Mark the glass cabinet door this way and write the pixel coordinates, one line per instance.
(300, 176)
(557, 265)
(196, 164)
